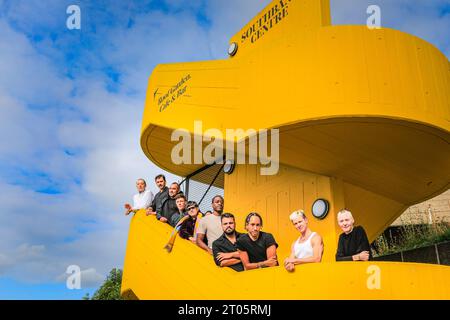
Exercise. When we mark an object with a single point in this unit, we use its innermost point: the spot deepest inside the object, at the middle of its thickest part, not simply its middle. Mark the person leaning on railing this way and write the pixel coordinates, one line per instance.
(169, 206)
(308, 248)
(141, 200)
(225, 250)
(210, 225)
(160, 197)
(353, 244)
(187, 228)
(257, 249)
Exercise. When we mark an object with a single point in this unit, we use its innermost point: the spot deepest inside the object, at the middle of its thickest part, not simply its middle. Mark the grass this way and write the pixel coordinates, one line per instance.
(412, 236)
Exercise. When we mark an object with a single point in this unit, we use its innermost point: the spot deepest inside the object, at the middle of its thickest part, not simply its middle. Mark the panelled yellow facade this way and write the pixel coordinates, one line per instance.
(189, 273)
(275, 197)
(364, 122)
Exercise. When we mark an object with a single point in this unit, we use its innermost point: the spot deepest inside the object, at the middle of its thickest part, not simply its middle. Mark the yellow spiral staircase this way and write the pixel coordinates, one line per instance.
(364, 122)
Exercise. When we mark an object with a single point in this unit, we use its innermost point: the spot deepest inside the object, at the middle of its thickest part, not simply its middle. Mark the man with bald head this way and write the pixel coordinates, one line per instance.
(353, 243)
(141, 200)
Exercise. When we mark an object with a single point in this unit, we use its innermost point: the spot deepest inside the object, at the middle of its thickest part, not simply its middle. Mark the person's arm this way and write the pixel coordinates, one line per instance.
(340, 251)
(228, 255)
(272, 259)
(363, 250)
(216, 251)
(201, 232)
(288, 265)
(271, 252)
(128, 208)
(230, 262)
(183, 233)
(317, 245)
(175, 219)
(149, 200)
(355, 257)
(159, 215)
(223, 259)
(227, 259)
(246, 261)
(270, 262)
(152, 208)
(201, 244)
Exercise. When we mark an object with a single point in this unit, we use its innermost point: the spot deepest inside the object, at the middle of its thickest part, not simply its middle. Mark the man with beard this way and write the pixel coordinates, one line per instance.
(224, 248)
(257, 249)
(160, 197)
(169, 206)
(211, 226)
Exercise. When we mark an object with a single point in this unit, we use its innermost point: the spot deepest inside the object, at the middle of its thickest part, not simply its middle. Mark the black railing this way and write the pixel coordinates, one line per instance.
(203, 184)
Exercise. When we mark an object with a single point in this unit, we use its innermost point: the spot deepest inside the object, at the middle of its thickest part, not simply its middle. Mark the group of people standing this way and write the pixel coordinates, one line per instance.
(215, 231)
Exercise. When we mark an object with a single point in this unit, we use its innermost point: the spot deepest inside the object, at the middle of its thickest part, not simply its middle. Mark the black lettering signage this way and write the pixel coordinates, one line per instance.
(173, 94)
(266, 22)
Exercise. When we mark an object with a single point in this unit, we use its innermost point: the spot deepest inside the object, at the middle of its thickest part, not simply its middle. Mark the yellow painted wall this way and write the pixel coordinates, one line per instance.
(190, 273)
(364, 119)
(275, 198)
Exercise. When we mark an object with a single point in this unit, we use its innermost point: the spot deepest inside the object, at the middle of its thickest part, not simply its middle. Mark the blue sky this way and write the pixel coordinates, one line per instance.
(71, 103)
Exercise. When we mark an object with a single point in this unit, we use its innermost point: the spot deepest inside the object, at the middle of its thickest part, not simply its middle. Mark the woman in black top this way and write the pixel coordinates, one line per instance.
(257, 249)
(353, 243)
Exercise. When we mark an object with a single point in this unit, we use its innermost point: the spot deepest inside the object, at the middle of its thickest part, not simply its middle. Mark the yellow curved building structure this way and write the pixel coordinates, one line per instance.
(363, 119)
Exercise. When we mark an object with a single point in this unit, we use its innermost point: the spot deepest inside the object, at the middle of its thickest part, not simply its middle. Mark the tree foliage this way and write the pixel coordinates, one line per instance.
(110, 289)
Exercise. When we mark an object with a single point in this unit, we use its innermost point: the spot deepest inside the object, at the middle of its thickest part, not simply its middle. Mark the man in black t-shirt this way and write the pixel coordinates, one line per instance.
(353, 244)
(257, 249)
(224, 248)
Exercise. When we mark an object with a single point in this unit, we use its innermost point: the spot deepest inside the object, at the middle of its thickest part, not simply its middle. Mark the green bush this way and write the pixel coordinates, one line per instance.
(413, 236)
(110, 289)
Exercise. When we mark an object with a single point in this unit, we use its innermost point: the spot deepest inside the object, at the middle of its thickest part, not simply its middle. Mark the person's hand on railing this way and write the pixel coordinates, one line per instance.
(128, 208)
(364, 256)
(271, 262)
(149, 211)
(289, 264)
(192, 239)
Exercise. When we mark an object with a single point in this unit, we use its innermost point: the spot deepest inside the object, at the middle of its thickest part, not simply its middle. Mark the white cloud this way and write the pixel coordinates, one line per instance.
(5, 263)
(27, 75)
(26, 251)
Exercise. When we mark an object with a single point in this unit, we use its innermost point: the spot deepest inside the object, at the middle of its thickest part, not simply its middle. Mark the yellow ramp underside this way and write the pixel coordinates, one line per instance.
(341, 95)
